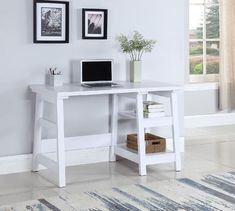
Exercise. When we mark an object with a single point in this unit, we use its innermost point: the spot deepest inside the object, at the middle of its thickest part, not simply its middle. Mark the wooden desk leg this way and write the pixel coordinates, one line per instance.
(60, 143)
(175, 129)
(114, 127)
(141, 141)
(37, 132)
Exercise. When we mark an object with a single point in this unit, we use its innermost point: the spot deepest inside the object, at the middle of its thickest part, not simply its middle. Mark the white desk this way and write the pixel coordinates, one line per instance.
(138, 91)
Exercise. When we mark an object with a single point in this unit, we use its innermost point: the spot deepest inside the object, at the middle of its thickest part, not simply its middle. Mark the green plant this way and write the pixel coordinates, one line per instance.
(198, 69)
(198, 50)
(212, 68)
(135, 46)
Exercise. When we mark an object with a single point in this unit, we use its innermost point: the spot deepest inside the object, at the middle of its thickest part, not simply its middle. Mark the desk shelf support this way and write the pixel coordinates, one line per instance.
(60, 142)
(175, 130)
(141, 135)
(37, 132)
(114, 127)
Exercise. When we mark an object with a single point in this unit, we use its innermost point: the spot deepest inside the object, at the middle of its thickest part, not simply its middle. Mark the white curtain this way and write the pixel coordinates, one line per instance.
(227, 64)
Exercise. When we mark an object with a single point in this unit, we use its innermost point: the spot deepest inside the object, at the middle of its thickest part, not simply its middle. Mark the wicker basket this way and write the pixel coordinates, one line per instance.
(153, 143)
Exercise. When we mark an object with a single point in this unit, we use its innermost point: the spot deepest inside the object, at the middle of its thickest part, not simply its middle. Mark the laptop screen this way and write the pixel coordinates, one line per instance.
(95, 71)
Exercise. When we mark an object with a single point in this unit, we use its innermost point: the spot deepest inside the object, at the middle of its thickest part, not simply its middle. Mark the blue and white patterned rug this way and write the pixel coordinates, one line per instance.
(211, 192)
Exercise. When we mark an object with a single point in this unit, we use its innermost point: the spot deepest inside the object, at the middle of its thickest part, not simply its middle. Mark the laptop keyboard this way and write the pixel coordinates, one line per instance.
(101, 84)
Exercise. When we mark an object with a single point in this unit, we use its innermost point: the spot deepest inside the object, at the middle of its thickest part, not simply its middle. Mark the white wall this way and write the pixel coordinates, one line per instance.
(201, 102)
(23, 63)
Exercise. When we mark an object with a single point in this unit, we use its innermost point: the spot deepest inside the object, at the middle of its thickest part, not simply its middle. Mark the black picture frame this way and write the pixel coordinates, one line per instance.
(51, 21)
(94, 23)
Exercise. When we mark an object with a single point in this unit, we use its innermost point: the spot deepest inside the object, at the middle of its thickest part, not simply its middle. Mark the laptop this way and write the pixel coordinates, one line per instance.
(97, 73)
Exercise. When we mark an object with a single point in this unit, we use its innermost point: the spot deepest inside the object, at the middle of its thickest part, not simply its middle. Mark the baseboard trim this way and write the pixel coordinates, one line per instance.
(23, 163)
(209, 120)
(15, 164)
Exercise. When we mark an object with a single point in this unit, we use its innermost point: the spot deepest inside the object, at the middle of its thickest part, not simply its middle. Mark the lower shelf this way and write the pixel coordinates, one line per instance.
(151, 159)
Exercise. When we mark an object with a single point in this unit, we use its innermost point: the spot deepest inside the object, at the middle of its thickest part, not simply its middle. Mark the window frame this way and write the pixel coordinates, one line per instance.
(195, 78)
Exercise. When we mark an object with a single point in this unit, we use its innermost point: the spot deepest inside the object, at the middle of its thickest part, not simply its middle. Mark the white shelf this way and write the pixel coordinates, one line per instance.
(151, 158)
(158, 121)
(161, 157)
(148, 122)
(170, 119)
(124, 152)
(127, 115)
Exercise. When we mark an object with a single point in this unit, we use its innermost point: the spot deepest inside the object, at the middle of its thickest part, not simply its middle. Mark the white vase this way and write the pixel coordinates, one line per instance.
(54, 80)
(135, 71)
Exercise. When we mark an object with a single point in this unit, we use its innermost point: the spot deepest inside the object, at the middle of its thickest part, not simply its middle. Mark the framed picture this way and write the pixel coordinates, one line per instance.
(51, 21)
(94, 23)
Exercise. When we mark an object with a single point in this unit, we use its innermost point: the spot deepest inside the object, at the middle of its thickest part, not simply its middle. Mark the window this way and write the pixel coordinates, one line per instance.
(204, 44)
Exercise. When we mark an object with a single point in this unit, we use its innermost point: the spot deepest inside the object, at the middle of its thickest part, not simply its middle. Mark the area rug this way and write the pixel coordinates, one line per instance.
(210, 192)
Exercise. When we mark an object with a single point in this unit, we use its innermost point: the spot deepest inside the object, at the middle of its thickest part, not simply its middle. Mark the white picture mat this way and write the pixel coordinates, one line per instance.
(86, 23)
(39, 23)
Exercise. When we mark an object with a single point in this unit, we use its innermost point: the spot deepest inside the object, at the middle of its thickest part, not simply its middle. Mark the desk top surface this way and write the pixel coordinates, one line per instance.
(68, 90)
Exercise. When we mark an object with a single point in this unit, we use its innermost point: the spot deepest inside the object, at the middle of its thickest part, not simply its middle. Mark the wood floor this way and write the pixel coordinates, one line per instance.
(208, 150)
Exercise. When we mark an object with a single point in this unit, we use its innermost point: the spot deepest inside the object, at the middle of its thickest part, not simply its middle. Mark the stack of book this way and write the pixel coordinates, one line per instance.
(153, 109)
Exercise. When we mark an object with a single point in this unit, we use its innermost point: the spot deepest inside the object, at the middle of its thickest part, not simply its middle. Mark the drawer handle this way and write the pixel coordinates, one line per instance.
(156, 143)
